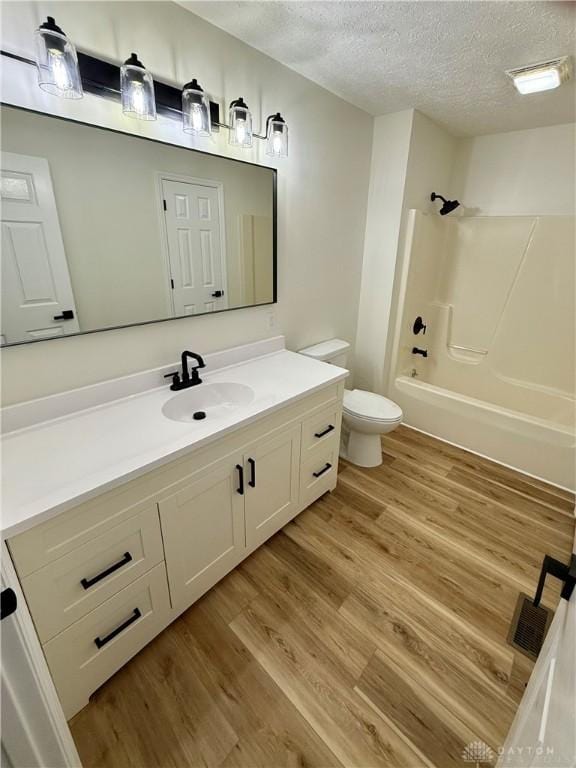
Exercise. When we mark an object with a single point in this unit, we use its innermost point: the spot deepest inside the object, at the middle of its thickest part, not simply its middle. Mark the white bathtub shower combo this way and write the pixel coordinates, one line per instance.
(496, 295)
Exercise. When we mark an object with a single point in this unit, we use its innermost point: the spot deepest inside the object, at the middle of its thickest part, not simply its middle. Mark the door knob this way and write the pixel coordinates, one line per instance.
(67, 314)
(218, 294)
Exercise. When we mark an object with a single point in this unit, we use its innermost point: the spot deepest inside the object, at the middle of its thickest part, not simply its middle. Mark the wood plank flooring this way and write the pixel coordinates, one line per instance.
(371, 631)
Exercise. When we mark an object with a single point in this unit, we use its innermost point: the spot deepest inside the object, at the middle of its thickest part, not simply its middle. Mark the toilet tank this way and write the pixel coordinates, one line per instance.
(334, 351)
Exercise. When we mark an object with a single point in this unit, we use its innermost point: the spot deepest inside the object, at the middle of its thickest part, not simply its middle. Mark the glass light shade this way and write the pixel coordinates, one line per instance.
(277, 136)
(240, 124)
(137, 90)
(57, 62)
(195, 110)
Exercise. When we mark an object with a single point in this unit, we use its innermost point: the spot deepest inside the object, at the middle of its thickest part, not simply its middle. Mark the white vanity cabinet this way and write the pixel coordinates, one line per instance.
(226, 510)
(103, 578)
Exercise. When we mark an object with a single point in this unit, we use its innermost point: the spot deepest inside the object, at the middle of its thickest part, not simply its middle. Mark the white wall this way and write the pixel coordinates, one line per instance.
(521, 173)
(322, 186)
(412, 156)
(390, 149)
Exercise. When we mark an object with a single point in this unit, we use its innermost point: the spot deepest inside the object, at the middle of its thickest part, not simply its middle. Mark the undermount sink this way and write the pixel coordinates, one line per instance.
(207, 400)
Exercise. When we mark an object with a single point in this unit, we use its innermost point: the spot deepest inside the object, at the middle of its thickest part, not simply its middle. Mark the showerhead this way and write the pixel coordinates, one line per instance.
(448, 205)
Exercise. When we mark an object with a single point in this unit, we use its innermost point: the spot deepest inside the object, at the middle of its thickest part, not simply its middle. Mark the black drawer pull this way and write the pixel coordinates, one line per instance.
(101, 641)
(240, 488)
(329, 428)
(87, 583)
(252, 481)
(324, 469)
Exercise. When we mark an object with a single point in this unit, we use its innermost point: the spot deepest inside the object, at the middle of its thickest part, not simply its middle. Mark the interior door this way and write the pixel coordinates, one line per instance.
(271, 470)
(544, 729)
(37, 298)
(203, 531)
(195, 248)
(33, 727)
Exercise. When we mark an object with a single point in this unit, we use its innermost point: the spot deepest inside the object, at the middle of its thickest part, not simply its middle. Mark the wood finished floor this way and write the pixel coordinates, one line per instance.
(371, 631)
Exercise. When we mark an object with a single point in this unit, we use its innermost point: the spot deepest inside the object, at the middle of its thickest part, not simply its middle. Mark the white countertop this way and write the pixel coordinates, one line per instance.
(54, 465)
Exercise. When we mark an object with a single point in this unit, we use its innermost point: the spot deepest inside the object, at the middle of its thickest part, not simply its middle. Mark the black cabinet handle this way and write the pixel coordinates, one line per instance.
(329, 428)
(240, 488)
(87, 583)
(67, 314)
(252, 481)
(324, 469)
(8, 603)
(101, 641)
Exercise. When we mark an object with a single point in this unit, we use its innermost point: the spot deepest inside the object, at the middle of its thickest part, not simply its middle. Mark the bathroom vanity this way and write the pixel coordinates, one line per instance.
(123, 510)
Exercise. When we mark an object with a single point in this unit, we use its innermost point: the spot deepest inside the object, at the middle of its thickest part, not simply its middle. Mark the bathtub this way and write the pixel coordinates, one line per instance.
(538, 447)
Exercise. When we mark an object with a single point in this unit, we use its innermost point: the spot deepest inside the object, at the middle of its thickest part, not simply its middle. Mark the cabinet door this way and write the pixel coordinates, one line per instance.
(271, 471)
(203, 530)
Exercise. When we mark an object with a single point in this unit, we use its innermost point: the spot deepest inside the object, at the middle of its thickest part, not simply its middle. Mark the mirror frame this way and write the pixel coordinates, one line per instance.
(188, 149)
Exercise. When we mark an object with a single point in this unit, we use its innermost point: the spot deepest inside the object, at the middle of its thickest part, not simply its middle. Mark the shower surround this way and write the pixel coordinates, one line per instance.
(497, 295)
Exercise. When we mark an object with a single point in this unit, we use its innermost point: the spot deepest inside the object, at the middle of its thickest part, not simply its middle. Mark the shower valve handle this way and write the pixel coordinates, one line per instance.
(418, 326)
(416, 351)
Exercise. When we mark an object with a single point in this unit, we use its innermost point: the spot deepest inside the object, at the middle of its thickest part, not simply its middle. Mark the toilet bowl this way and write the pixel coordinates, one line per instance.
(365, 416)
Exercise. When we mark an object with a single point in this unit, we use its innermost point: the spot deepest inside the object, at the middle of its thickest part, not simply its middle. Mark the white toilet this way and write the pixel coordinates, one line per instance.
(365, 416)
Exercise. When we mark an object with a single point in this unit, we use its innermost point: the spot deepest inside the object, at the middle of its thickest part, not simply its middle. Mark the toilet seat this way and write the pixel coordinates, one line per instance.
(370, 406)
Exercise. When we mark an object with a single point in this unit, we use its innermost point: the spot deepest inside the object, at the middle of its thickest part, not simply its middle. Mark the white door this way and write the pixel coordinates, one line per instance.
(203, 531)
(37, 298)
(195, 249)
(544, 730)
(271, 471)
(34, 730)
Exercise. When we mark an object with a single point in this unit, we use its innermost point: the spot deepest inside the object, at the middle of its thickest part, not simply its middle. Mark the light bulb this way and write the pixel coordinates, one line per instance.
(277, 142)
(197, 120)
(137, 98)
(59, 70)
(240, 131)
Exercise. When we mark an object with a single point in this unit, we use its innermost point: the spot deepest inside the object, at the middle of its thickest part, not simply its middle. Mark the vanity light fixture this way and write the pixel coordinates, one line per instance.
(541, 77)
(64, 72)
(276, 136)
(240, 124)
(57, 62)
(137, 90)
(195, 110)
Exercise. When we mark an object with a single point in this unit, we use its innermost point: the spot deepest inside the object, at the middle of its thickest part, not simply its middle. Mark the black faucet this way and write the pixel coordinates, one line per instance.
(416, 351)
(188, 379)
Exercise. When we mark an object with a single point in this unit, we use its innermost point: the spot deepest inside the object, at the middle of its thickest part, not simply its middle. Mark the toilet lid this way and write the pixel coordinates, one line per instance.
(368, 405)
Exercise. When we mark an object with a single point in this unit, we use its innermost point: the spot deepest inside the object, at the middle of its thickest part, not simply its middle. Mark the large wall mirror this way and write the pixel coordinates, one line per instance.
(102, 229)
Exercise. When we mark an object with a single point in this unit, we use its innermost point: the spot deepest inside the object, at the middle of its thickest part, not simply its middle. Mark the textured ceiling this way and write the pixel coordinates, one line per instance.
(447, 59)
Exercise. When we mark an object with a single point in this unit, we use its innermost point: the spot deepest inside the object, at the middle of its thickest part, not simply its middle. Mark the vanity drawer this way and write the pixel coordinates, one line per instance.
(67, 589)
(319, 473)
(320, 430)
(70, 530)
(86, 654)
